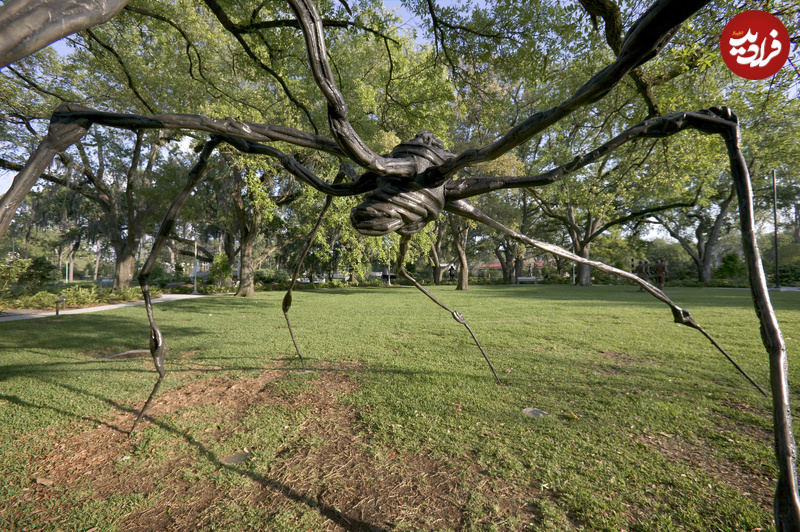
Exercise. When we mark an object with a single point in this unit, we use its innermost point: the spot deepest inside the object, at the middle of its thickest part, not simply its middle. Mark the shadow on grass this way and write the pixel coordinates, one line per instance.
(89, 331)
(313, 503)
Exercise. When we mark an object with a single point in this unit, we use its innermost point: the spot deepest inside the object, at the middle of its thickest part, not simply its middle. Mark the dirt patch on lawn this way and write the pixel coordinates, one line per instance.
(756, 485)
(343, 481)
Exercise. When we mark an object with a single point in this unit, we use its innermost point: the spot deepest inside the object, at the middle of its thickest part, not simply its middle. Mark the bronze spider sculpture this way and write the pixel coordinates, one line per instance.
(409, 187)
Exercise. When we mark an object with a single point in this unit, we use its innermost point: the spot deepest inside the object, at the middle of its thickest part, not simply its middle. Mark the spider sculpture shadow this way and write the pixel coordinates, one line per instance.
(408, 188)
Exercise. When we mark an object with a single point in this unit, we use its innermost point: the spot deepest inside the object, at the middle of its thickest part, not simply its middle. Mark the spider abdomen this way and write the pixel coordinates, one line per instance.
(403, 205)
(396, 206)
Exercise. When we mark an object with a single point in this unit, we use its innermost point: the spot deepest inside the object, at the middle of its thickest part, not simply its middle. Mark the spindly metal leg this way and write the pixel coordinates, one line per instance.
(680, 315)
(158, 349)
(287, 299)
(404, 239)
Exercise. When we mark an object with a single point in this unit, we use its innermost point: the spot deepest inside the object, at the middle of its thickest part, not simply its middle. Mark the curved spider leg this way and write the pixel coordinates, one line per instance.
(287, 299)
(679, 314)
(61, 135)
(401, 255)
(787, 493)
(158, 349)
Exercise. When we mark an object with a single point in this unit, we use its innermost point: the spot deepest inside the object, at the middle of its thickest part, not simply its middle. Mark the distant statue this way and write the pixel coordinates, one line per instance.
(641, 272)
(661, 273)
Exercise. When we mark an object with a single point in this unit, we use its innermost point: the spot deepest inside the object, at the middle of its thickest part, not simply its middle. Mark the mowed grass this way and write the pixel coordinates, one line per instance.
(648, 427)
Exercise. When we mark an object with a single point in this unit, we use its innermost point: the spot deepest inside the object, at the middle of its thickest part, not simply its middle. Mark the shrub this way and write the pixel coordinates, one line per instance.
(40, 300)
(269, 275)
(790, 273)
(10, 272)
(37, 274)
(212, 289)
(220, 270)
(731, 267)
(80, 296)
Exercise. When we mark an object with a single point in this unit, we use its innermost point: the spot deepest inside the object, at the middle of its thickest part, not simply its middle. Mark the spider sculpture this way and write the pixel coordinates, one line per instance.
(412, 185)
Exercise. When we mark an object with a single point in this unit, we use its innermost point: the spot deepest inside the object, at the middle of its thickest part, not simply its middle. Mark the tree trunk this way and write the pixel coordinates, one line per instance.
(460, 234)
(519, 268)
(436, 264)
(506, 262)
(704, 269)
(172, 257)
(230, 247)
(247, 278)
(463, 270)
(125, 263)
(27, 239)
(796, 233)
(59, 259)
(584, 270)
(71, 260)
(435, 258)
(124, 268)
(97, 263)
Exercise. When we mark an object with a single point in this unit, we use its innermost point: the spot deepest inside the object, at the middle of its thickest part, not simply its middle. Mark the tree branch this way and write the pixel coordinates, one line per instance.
(121, 63)
(653, 128)
(229, 25)
(73, 113)
(344, 134)
(34, 85)
(644, 40)
(67, 183)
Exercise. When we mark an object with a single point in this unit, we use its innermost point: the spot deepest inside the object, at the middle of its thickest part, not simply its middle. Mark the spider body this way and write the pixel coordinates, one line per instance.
(403, 205)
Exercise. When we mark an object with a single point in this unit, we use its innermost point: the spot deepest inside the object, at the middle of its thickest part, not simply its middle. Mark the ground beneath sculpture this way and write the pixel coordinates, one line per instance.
(329, 469)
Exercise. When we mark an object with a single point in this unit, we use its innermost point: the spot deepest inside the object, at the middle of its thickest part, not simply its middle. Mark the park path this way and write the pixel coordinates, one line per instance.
(26, 314)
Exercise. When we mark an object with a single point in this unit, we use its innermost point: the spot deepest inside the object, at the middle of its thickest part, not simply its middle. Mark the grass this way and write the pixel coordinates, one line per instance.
(401, 426)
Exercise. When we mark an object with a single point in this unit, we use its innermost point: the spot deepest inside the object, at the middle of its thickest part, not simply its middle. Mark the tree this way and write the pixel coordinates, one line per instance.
(460, 229)
(769, 139)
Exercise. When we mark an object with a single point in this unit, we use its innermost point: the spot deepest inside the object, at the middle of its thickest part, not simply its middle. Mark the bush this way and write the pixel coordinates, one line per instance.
(37, 274)
(10, 272)
(268, 276)
(40, 300)
(220, 270)
(213, 289)
(790, 273)
(731, 267)
(79, 297)
(29, 274)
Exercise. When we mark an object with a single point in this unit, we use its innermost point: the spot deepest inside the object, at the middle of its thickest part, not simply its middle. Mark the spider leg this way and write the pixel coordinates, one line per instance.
(679, 314)
(158, 349)
(404, 239)
(287, 299)
(721, 121)
(60, 136)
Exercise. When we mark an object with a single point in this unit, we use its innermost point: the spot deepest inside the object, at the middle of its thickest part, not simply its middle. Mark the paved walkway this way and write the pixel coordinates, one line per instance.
(25, 314)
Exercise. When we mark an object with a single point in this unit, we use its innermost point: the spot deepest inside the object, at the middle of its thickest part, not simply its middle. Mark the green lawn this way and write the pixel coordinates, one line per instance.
(402, 426)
